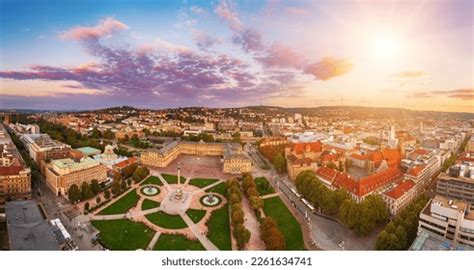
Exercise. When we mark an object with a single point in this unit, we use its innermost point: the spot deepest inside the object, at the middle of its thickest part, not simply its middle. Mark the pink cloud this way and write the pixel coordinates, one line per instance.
(297, 11)
(280, 55)
(328, 68)
(105, 27)
(225, 11)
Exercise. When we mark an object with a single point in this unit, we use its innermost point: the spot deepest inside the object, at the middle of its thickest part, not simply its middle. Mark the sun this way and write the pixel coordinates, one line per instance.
(385, 46)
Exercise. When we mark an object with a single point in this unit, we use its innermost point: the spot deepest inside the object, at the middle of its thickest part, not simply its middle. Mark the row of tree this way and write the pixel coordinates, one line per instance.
(269, 232)
(250, 190)
(276, 155)
(359, 217)
(85, 192)
(234, 195)
(271, 235)
(140, 173)
(402, 230)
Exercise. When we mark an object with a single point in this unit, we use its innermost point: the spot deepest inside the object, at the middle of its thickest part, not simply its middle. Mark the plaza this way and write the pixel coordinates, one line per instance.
(161, 207)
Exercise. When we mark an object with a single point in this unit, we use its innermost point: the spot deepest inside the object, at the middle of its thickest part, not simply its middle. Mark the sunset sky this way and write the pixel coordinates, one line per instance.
(160, 54)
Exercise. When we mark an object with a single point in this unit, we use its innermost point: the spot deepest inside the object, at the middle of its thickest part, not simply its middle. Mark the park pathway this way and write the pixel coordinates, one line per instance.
(128, 215)
(206, 243)
(167, 186)
(252, 224)
(269, 196)
(153, 240)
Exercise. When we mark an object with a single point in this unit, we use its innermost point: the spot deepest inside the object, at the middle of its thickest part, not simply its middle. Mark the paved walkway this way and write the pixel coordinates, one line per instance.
(206, 243)
(269, 196)
(213, 184)
(167, 186)
(153, 241)
(252, 224)
(128, 215)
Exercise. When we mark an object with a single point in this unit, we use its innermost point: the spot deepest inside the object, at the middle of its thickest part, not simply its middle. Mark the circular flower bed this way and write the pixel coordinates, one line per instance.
(210, 200)
(150, 191)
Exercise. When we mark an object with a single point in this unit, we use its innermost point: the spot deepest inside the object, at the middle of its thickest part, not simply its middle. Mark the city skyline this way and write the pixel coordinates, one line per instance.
(415, 55)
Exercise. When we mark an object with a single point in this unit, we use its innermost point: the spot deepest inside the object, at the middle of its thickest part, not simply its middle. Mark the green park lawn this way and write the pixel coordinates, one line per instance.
(219, 228)
(220, 188)
(122, 205)
(196, 214)
(286, 222)
(176, 242)
(202, 182)
(149, 204)
(172, 179)
(166, 221)
(154, 180)
(123, 234)
(263, 186)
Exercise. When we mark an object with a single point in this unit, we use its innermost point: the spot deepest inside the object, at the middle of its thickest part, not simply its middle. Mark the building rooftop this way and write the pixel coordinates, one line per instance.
(429, 241)
(89, 151)
(400, 189)
(27, 228)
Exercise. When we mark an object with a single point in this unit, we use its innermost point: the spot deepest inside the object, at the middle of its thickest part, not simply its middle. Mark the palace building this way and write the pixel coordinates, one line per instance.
(63, 173)
(233, 159)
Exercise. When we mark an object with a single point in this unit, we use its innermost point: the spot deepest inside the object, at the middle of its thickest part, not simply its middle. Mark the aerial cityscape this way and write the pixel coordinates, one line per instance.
(236, 125)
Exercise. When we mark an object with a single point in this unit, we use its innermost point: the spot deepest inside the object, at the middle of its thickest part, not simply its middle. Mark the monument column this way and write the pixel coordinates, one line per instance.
(179, 175)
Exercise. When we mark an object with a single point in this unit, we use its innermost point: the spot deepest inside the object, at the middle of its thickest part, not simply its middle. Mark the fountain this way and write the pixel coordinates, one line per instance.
(150, 190)
(210, 200)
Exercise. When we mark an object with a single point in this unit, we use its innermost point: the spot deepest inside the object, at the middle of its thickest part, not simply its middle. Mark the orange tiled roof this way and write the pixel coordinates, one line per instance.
(11, 170)
(125, 163)
(329, 157)
(326, 173)
(369, 183)
(300, 148)
(421, 151)
(416, 170)
(400, 189)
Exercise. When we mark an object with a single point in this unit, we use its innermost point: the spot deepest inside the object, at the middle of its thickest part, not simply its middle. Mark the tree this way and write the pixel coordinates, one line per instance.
(96, 134)
(123, 185)
(237, 217)
(74, 194)
(86, 206)
(95, 186)
(108, 134)
(86, 191)
(107, 194)
(241, 235)
(332, 165)
(117, 176)
(252, 191)
(129, 182)
(97, 200)
(271, 235)
(279, 163)
(116, 189)
(256, 202)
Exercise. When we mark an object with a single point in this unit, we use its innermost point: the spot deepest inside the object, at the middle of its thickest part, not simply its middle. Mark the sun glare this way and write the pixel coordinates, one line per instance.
(385, 46)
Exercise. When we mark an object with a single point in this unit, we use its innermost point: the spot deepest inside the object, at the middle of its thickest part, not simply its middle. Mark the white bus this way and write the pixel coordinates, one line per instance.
(296, 193)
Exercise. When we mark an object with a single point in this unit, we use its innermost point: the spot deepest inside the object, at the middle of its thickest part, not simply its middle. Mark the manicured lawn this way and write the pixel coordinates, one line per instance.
(202, 182)
(288, 225)
(123, 234)
(122, 205)
(176, 242)
(166, 221)
(221, 189)
(154, 180)
(263, 186)
(196, 214)
(172, 179)
(149, 204)
(219, 228)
